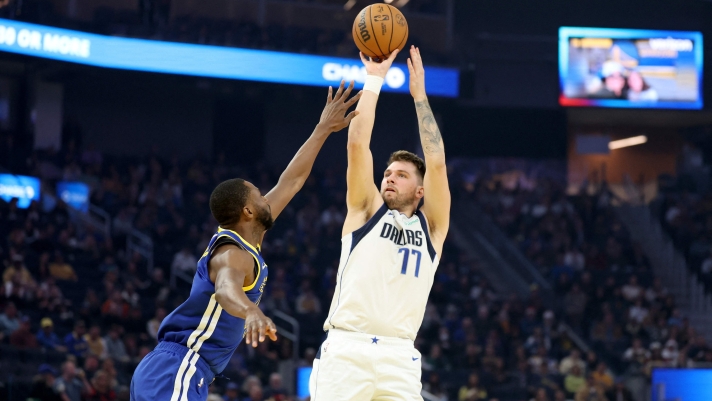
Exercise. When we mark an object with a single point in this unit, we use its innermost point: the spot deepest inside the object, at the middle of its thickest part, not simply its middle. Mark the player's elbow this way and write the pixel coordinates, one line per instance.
(436, 165)
(292, 185)
(221, 297)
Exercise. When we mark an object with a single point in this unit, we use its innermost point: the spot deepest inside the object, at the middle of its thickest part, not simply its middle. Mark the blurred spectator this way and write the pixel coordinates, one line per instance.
(574, 359)
(115, 307)
(100, 388)
(307, 302)
(636, 353)
(130, 295)
(656, 293)
(75, 342)
(115, 346)
(158, 286)
(184, 261)
(602, 377)
(275, 389)
(108, 264)
(22, 338)
(91, 305)
(47, 338)
(9, 320)
(560, 395)
(574, 381)
(60, 269)
(248, 383)
(18, 267)
(71, 384)
(255, 394)
(108, 367)
(91, 365)
(43, 387)
(575, 303)
(542, 377)
(540, 395)
(591, 391)
(154, 324)
(97, 345)
(435, 387)
(49, 296)
(473, 391)
(435, 359)
(232, 392)
(632, 291)
(619, 393)
(638, 313)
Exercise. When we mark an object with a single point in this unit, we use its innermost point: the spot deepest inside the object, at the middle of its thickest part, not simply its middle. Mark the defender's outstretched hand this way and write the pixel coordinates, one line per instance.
(417, 74)
(376, 68)
(332, 118)
(258, 327)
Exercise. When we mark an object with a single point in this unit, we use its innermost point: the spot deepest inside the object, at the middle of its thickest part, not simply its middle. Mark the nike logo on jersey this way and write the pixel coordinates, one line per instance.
(402, 237)
(201, 382)
(415, 359)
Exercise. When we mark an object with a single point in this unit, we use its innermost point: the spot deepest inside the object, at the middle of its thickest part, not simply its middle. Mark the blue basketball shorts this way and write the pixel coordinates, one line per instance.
(171, 372)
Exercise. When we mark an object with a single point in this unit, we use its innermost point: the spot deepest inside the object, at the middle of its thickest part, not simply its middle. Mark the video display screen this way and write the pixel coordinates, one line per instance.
(603, 67)
(681, 384)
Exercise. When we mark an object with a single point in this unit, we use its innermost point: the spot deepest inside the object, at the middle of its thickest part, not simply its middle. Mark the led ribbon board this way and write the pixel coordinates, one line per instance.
(205, 61)
(25, 189)
(632, 68)
(75, 194)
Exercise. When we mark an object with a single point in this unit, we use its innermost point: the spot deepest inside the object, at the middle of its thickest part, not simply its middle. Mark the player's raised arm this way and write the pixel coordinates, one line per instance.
(231, 269)
(333, 119)
(362, 196)
(437, 190)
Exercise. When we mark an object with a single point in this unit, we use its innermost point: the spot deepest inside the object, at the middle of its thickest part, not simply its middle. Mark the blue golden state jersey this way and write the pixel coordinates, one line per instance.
(200, 324)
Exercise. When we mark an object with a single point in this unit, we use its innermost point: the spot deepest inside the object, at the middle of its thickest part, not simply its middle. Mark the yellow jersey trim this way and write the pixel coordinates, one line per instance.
(220, 229)
(254, 256)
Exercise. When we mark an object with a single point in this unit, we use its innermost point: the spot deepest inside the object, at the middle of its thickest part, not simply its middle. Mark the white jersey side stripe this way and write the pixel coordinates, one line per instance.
(211, 328)
(205, 329)
(189, 375)
(179, 377)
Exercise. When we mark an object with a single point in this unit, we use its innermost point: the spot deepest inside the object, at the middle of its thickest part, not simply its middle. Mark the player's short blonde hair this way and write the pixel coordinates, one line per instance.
(409, 157)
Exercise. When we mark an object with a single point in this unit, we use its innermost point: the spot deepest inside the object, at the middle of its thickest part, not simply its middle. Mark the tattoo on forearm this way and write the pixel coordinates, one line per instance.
(429, 133)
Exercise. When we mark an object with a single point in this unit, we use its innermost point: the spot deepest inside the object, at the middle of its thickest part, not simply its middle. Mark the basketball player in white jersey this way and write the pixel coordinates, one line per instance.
(389, 255)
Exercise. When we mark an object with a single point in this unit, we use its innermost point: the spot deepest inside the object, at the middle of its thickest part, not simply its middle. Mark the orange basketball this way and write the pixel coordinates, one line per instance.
(379, 29)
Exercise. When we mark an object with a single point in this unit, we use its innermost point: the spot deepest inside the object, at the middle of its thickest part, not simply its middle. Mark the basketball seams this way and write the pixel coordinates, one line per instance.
(373, 30)
(357, 35)
(393, 28)
(405, 37)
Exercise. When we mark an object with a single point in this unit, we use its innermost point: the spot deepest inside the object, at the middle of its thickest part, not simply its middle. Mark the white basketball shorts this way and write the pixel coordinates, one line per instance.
(354, 366)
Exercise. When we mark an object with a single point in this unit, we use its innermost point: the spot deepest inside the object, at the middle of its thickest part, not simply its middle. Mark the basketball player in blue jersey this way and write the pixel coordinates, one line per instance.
(389, 255)
(197, 340)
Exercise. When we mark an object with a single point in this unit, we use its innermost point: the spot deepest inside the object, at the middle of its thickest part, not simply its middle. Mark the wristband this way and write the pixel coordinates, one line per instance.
(373, 84)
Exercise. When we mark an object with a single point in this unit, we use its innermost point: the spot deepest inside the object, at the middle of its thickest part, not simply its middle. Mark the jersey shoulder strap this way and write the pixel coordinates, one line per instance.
(424, 223)
(358, 235)
(224, 236)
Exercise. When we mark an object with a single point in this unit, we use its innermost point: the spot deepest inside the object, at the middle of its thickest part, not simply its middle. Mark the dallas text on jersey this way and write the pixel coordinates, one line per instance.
(402, 237)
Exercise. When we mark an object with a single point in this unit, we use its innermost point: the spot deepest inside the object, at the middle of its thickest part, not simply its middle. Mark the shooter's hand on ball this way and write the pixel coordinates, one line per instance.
(376, 68)
(334, 117)
(417, 75)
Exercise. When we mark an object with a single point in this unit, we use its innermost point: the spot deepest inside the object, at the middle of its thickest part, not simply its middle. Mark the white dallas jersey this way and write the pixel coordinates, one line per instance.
(385, 275)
